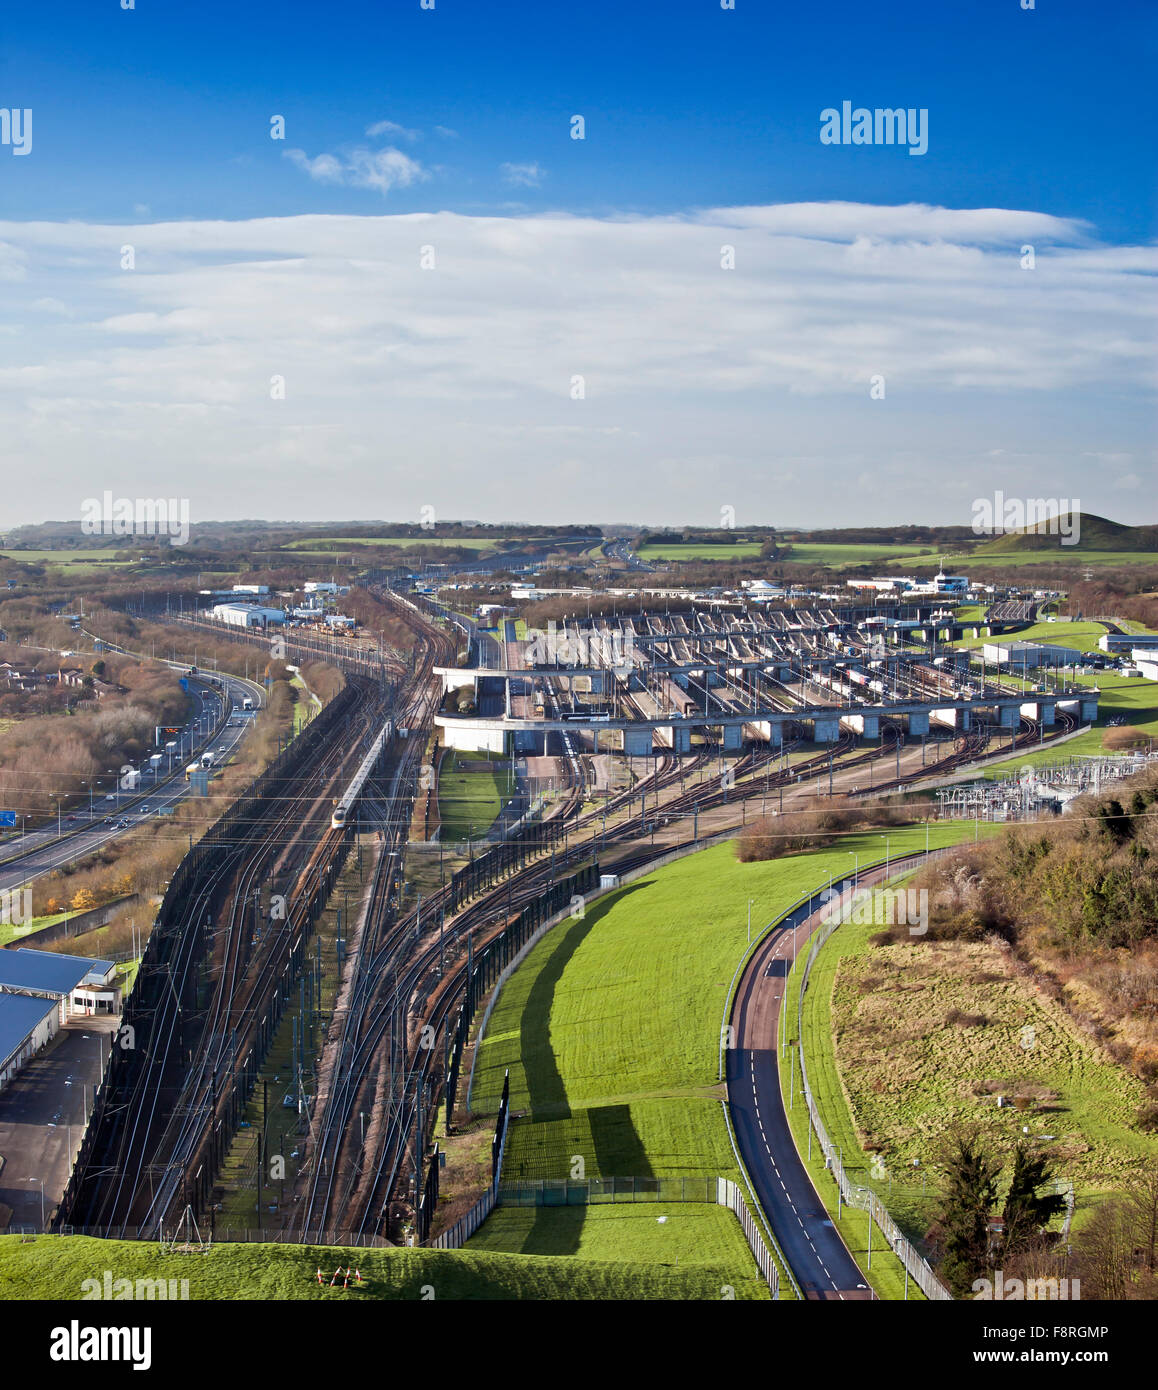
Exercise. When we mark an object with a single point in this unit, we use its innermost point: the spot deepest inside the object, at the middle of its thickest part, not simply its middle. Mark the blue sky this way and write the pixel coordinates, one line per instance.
(161, 116)
(686, 105)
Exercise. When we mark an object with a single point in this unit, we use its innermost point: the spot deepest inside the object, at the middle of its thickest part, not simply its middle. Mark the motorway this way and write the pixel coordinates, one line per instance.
(810, 1241)
(44, 850)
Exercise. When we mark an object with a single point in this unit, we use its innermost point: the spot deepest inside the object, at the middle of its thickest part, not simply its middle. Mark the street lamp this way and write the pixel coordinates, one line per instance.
(885, 838)
(750, 901)
(41, 1182)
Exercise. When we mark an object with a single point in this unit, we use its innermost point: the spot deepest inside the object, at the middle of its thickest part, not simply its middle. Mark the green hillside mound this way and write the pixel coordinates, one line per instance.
(54, 1267)
(1094, 533)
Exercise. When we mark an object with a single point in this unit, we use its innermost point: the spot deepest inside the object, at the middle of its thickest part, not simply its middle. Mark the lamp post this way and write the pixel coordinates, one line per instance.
(749, 921)
(41, 1182)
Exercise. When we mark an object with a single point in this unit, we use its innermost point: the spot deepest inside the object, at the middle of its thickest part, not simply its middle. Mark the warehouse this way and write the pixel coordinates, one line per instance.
(248, 615)
(27, 1023)
(76, 984)
(1029, 654)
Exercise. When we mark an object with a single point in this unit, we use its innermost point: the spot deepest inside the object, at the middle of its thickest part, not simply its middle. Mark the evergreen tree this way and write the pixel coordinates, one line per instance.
(967, 1202)
(1027, 1209)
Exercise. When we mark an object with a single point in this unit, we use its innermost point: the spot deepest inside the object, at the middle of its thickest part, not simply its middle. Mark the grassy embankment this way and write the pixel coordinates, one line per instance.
(611, 1030)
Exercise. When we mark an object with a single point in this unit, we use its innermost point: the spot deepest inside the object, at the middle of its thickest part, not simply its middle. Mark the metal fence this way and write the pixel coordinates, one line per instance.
(564, 1192)
(855, 1195)
(465, 1226)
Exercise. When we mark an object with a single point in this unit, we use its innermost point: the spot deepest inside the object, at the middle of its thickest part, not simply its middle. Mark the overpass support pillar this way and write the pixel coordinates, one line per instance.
(1089, 711)
(964, 719)
(871, 725)
(681, 738)
(826, 728)
(1046, 713)
(733, 737)
(919, 723)
(637, 743)
(1009, 716)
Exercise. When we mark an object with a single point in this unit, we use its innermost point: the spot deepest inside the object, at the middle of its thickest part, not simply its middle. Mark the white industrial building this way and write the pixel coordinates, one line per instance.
(248, 615)
(1028, 654)
(1117, 641)
(27, 1023)
(314, 586)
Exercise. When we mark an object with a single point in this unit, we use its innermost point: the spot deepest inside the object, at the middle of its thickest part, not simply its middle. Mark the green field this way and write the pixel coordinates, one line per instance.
(1082, 637)
(889, 1071)
(837, 555)
(54, 1267)
(700, 1249)
(397, 542)
(1070, 558)
(742, 550)
(10, 932)
(468, 802)
(834, 555)
(77, 562)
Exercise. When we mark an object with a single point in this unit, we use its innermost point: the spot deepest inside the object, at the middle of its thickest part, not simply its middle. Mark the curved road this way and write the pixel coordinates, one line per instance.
(810, 1241)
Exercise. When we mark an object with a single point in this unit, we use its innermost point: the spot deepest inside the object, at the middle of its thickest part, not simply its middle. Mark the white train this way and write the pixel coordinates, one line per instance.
(354, 790)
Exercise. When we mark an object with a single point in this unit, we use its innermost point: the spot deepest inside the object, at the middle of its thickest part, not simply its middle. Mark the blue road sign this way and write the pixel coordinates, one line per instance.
(184, 684)
(7, 817)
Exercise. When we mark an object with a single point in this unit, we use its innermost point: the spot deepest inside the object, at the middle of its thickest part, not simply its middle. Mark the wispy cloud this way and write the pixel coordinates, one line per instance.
(400, 132)
(522, 175)
(446, 132)
(380, 170)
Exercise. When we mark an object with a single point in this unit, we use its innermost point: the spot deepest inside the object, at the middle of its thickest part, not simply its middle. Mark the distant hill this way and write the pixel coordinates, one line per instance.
(1094, 533)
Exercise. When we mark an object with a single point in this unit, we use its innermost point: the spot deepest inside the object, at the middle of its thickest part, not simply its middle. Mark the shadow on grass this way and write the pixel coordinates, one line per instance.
(545, 1085)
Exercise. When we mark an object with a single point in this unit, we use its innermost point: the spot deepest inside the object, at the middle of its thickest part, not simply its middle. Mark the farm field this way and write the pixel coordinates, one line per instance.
(740, 551)
(1072, 559)
(900, 1040)
(468, 802)
(311, 543)
(838, 555)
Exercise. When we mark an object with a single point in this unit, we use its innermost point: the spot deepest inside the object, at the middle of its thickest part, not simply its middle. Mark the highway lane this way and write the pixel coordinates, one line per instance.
(44, 851)
(819, 1258)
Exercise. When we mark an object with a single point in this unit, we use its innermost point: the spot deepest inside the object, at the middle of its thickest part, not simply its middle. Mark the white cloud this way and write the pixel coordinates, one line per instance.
(407, 386)
(522, 175)
(392, 128)
(380, 170)
(446, 132)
